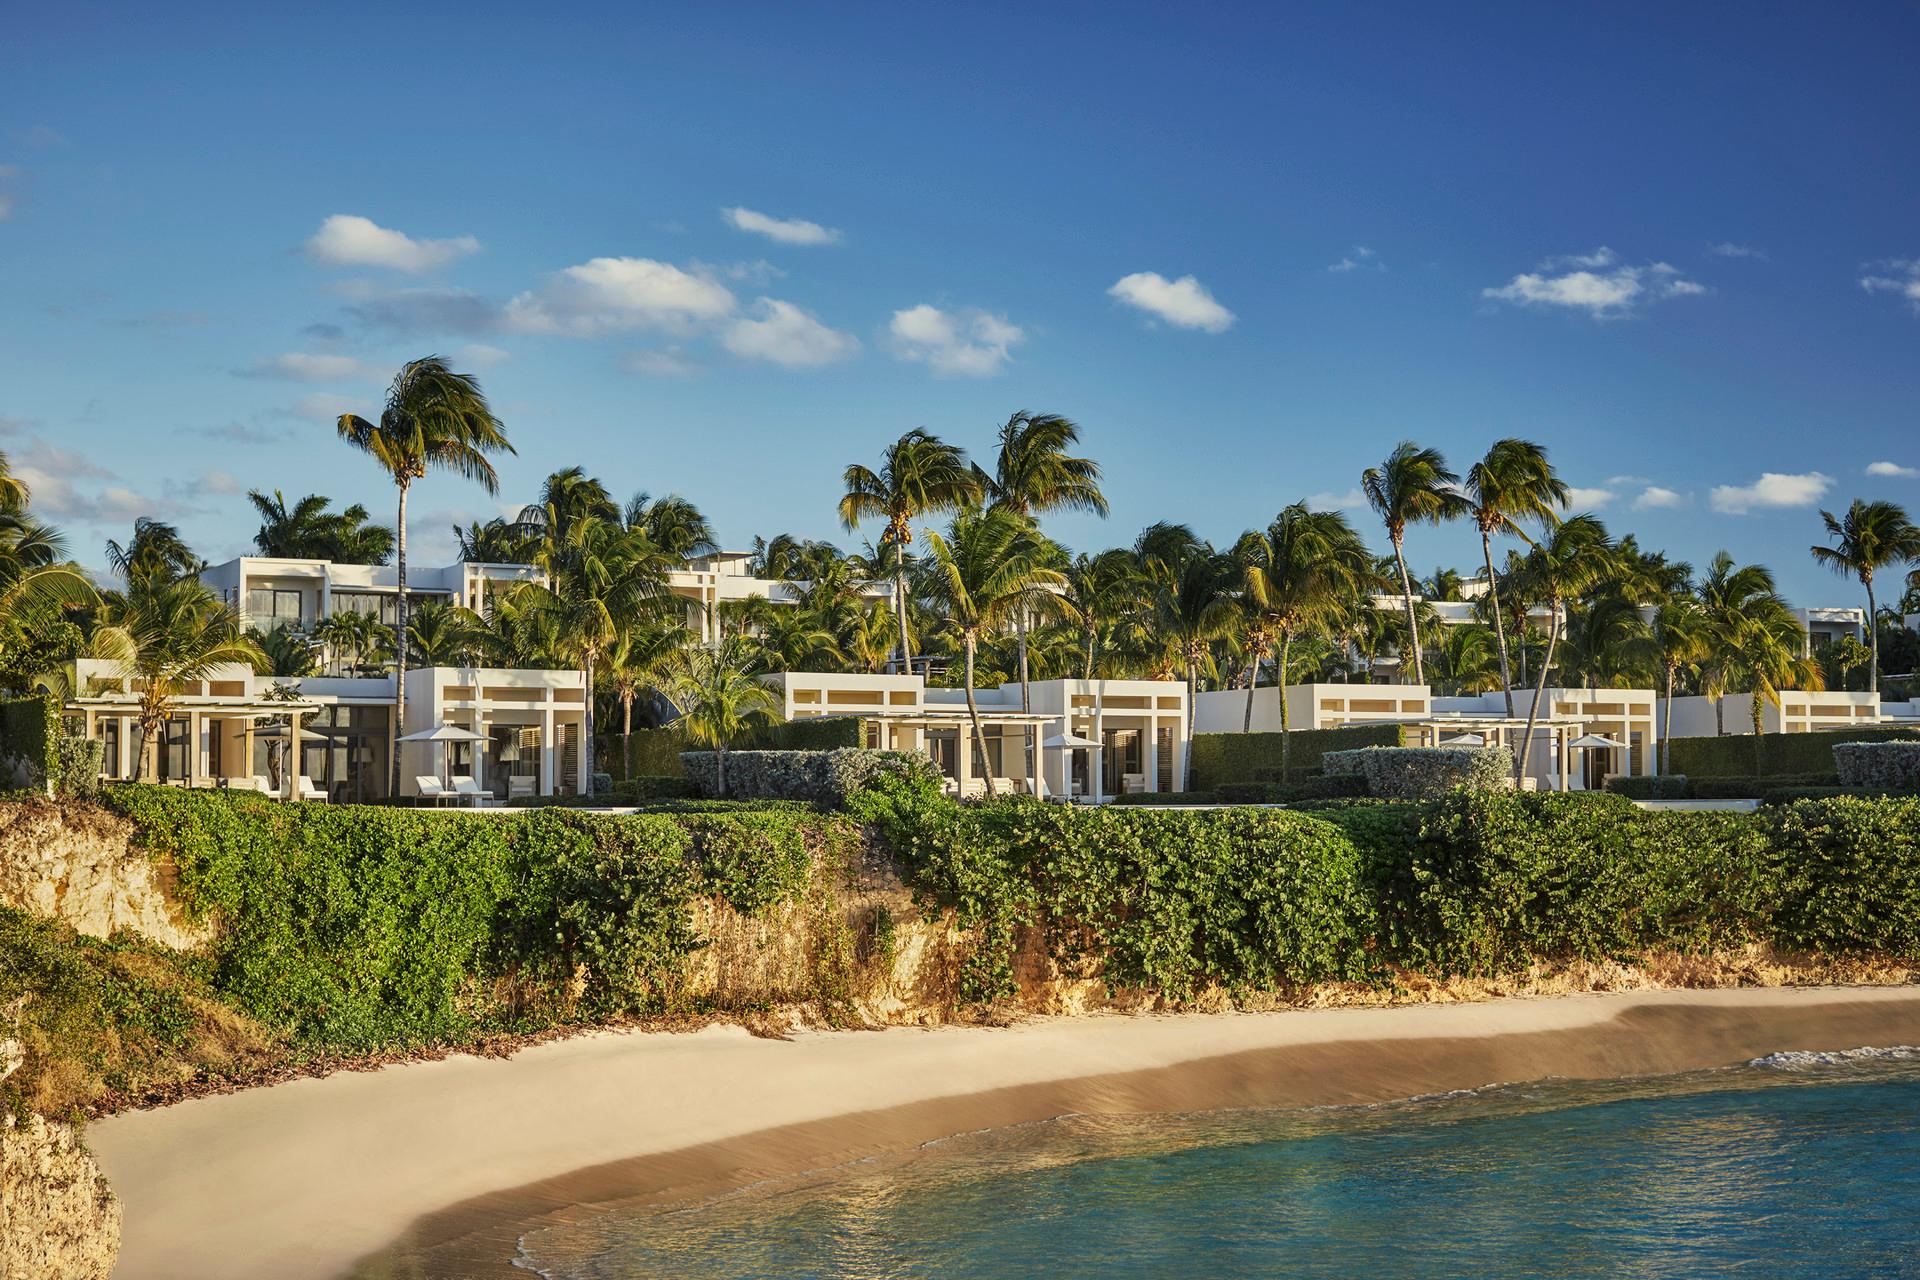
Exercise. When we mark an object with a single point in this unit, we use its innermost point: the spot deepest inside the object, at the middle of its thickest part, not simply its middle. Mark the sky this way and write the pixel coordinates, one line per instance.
(727, 251)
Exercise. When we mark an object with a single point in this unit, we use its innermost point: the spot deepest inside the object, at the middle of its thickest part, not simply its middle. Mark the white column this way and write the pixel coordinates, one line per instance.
(547, 750)
(294, 739)
(1150, 752)
(1099, 758)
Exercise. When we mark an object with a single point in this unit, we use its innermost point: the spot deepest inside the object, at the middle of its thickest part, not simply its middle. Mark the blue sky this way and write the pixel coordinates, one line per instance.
(726, 253)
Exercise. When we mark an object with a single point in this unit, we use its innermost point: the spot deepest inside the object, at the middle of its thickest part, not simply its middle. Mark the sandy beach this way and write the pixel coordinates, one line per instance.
(446, 1161)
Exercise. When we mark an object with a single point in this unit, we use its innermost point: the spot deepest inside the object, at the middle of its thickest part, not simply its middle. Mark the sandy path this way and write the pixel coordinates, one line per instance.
(305, 1178)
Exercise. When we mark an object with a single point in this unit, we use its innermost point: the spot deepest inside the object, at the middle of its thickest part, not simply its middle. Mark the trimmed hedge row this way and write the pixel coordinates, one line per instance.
(1421, 773)
(1894, 766)
(817, 777)
(1665, 786)
(656, 752)
(1255, 757)
(1773, 754)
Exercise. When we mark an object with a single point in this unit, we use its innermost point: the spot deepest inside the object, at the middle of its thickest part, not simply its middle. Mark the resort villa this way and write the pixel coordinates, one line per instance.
(1581, 738)
(1080, 739)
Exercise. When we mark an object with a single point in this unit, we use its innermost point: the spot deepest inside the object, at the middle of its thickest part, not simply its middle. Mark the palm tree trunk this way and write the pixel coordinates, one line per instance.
(1020, 631)
(1719, 715)
(1193, 696)
(1539, 693)
(900, 615)
(1253, 682)
(1759, 726)
(1286, 724)
(1666, 728)
(973, 713)
(626, 716)
(1499, 623)
(1873, 641)
(585, 781)
(1413, 627)
(1090, 638)
(720, 758)
(400, 647)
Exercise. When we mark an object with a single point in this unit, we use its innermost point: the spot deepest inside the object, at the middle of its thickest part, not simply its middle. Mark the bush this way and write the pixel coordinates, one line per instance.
(651, 787)
(1891, 766)
(642, 753)
(1252, 793)
(1752, 788)
(30, 736)
(812, 733)
(1166, 797)
(819, 777)
(1850, 874)
(1414, 773)
(1666, 786)
(1793, 795)
(1774, 754)
(77, 765)
(1255, 757)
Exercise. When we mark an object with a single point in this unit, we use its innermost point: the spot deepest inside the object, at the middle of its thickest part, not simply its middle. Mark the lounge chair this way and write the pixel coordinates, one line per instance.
(308, 791)
(466, 790)
(430, 788)
(519, 786)
(264, 785)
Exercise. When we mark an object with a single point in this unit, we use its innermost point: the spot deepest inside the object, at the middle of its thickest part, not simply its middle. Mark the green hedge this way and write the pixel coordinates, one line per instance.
(1665, 786)
(1421, 773)
(1255, 757)
(817, 733)
(642, 753)
(30, 735)
(656, 752)
(1738, 756)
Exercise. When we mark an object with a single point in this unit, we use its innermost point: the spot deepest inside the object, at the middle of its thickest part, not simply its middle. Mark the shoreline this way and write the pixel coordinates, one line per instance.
(436, 1168)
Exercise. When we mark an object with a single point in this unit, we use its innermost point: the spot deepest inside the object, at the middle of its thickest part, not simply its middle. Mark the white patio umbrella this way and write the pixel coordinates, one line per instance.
(1594, 740)
(1070, 740)
(1464, 740)
(445, 733)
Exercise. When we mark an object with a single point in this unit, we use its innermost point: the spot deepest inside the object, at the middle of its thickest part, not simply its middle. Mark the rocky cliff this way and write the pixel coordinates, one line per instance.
(78, 863)
(57, 1216)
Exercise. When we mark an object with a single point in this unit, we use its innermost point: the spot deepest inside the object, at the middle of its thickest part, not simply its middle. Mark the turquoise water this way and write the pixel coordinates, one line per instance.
(1797, 1165)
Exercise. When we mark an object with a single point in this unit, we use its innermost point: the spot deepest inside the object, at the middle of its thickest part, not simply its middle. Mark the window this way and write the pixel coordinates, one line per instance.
(271, 608)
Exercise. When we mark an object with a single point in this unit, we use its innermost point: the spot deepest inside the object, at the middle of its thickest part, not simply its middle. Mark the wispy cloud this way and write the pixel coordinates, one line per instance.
(436, 311)
(301, 366)
(1356, 258)
(1351, 500)
(1728, 249)
(1772, 490)
(348, 240)
(1893, 470)
(240, 433)
(666, 362)
(1658, 498)
(1579, 499)
(609, 295)
(1900, 276)
(480, 355)
(966, 343)
(70, 486)
(1184, 303)
(783, 334)
(782, 230)
(1596, 283)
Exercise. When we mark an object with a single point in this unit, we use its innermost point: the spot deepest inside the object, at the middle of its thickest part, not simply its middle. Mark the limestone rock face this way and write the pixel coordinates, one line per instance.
(79, 864)
(57, 1215)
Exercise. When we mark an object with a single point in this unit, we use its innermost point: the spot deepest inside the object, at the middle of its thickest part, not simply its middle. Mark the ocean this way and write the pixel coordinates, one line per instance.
(1797, 1165)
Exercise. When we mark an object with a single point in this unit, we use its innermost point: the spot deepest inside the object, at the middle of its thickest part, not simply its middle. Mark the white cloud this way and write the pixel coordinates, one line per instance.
(298, 366)
(783, 230)
(51, 473)
(1898, 276)
(784, 334)
(429, 310)
(480, 355)
(348, 240)
(1727, 249)
(1351, 500)
(1771, 490)
(607, 295)
(6, 207)
(968, 343)
(325, 406)
(1361, 256)
(1656, 498)
(668, 362)
(1595, 284)
(1893, 470)
(1579, 499)
(1184, 303)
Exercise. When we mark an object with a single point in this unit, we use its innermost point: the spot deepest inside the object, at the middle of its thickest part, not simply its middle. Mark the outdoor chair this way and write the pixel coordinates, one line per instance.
(430, 788)
(519, 786)
(307, 791)
(264, 785)
(465, 789)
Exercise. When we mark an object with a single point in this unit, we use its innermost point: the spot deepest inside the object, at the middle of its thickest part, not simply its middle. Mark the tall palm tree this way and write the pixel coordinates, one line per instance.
(1034, 475)
(176, 632)
(988, 566)
(1100, 589)
(602, 580)
(1870, 537)
(919, 475)
(498, 541)
(1413, 486)
(639, 659)
(14, 494)
(433, 418)
(156, 549)
(1512, 484)
(1193, 605)
(1570, 556)
(35, 576)
(1765, 649)
(1730, 594)
(308, 531)
(1681, 638)
(441, 634)
(1297, 575)
(673, 524)
(718, 695)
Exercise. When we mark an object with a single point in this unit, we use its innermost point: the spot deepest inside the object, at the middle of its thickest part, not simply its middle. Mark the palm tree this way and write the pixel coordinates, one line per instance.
(1297, 576)
(1194, 605)
(284, 652)
(673, 524)
(35, 576)
(988, 566)
(434, 418)
(639, 659)
(919, 475)
(1870, 537)
(1730, 594)
(14, 494)
(156, 549)
(1100, 589)
(441, 634)
(498, 541)
(308, 531)
(1033, 475)
(176, 632)
(1466, 660)
(1570, 556)
(718, 695)
(601, 580)
(1413, 486)
(1607, 644)
(1764, 648)
(1681, 638)
(1513, 483)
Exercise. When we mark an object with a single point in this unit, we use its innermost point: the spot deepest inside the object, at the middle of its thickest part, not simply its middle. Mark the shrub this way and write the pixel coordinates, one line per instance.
(813, 733)
(819, 777)
(642, 753)
(1774, 754)
(30, 736)
(650, 787)
(1251, 793)
(1166, 797)
(1851, 874)
(1752, 788)
(1892, 766)
(1255, 757)
(1413, 773)
(1793, 795)
(1666, 786)
(77, 765)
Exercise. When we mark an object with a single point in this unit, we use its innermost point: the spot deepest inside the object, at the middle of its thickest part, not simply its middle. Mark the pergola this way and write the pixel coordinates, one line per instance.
(1029, 723)
(197, 710)
(1502, 731)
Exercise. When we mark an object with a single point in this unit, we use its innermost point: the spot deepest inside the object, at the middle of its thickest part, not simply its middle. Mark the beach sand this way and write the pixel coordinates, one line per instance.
(434, 1168)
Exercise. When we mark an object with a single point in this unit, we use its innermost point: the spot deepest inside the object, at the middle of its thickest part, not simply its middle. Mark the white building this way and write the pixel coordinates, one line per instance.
(1798, 712)
(1087, 739)
(271, 592)
(1824, 626)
